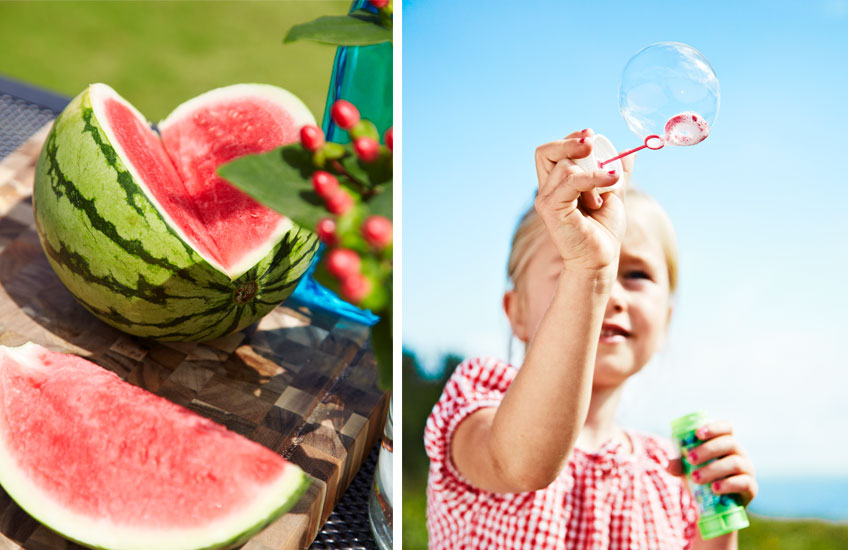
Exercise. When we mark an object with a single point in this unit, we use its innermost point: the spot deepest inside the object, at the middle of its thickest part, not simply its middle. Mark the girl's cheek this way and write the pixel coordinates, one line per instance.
(650, 308)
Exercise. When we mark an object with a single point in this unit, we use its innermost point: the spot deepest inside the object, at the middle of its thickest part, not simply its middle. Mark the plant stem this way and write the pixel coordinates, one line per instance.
(364, 191)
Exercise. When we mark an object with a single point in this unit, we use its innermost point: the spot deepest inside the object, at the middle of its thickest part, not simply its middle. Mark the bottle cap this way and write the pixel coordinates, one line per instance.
(602, 149)
(716, 525)
(687, 423)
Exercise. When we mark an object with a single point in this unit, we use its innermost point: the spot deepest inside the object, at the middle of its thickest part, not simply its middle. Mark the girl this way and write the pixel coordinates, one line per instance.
(532, 458)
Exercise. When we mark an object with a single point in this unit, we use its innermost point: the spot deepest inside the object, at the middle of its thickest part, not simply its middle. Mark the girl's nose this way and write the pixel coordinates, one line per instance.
(617, 300)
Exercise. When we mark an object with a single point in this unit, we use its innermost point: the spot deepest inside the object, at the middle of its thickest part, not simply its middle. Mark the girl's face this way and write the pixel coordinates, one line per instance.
(639, 307)
(636, 315)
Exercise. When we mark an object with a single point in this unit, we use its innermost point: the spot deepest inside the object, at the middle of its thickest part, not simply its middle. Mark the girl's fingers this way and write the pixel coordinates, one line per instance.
(549, 155)
(724, 467)
(675, 467)
(743, 484)
(569, 183)
(713, 429)
(716, 447)
(580, 133)
(592, 199)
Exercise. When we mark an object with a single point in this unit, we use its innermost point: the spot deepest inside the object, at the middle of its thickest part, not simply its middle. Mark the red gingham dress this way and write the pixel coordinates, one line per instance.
(609, 500)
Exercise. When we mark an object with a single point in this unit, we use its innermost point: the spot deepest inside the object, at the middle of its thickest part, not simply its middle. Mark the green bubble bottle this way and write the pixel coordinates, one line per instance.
(720, 514)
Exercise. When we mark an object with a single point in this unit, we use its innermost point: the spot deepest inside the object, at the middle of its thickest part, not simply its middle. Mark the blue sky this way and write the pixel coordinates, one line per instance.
(760, 208)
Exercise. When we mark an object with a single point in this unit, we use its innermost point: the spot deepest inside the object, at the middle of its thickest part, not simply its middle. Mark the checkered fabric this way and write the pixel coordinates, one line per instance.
(608, 500)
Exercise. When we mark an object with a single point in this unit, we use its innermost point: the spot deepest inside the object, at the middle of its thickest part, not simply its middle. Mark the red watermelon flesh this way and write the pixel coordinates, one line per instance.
(103, 462)
(226, 226)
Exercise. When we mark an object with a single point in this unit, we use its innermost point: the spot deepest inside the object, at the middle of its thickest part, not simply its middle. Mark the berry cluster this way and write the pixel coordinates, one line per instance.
(363, 132)
(384, 7)
(359, 256)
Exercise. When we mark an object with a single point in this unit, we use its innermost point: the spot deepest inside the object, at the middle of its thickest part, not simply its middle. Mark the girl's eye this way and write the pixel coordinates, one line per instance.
(637, 274)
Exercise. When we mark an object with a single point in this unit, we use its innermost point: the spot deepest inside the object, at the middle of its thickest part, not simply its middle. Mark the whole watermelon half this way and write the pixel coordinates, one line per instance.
(144, 233)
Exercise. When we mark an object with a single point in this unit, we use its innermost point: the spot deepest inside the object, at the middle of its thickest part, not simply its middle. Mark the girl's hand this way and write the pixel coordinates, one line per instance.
(586, 225)
(730, 472)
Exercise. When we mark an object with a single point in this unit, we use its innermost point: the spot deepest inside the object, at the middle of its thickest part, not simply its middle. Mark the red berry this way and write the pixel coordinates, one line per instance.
(389, 138)
(343, 262)
(355, 287)
(338, 201)
(379, 4)
(311, 137)
(324, 183)
(377, 231)
(344, 114)
(326, 231)
(366, 149)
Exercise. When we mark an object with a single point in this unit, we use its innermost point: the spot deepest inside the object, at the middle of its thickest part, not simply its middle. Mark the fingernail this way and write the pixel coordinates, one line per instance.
(600, 201)
(612, 172)
(582, 140)
(702, 432)
(696, 475)
(693, 457)
(584, 130)
(716, 486)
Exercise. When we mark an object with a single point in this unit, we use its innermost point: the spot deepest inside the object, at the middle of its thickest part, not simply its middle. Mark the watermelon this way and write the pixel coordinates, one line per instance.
(110, 465)
(142, 231)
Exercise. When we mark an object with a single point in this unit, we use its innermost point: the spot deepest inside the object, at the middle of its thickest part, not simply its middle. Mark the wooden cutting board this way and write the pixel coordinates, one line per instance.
(301, 383)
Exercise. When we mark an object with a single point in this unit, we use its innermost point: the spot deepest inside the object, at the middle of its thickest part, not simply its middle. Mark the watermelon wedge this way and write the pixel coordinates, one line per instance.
(110, 465)
(142, 231)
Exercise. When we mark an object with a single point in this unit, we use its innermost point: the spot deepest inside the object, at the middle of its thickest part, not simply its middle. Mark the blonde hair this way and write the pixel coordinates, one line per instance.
(530, 233)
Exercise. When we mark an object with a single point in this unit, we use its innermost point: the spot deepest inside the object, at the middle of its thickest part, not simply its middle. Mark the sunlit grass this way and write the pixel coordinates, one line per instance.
(158, 54)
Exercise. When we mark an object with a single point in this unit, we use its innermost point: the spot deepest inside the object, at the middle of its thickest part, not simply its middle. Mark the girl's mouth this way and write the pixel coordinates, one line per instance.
(613, 334)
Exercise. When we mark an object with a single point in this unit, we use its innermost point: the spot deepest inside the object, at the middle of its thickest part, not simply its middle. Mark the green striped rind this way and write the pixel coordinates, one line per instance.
(294, 491)
(119, 257)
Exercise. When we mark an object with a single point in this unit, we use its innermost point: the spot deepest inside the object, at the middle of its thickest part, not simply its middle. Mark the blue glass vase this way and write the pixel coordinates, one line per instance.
(363, 76)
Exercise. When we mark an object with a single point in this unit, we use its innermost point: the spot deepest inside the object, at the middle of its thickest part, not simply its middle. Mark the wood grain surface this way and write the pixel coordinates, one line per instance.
(302, 383)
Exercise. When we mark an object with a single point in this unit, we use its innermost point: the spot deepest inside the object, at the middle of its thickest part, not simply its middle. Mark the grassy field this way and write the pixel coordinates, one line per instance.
(158, 54)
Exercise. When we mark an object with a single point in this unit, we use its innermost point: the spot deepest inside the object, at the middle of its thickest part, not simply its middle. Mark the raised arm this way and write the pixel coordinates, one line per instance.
(523, 444)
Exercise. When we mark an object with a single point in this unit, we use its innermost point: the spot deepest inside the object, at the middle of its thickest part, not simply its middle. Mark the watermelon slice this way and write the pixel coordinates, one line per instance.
(227, 227)
(110, 465)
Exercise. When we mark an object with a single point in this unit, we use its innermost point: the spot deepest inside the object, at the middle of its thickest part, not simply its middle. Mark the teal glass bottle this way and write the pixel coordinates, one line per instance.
(363, 76)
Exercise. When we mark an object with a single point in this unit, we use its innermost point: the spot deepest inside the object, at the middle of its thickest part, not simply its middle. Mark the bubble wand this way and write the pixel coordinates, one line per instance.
(668, 95)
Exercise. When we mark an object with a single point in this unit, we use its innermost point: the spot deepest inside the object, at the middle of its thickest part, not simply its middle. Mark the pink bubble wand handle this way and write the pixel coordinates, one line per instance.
(658, 143)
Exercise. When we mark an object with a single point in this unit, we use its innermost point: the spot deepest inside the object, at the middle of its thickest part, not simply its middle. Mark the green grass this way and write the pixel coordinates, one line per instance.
(770, 534)
(159, 54)
(414, 514)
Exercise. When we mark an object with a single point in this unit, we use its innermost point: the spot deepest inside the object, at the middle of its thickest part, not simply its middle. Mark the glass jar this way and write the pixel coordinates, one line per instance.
(380, 501)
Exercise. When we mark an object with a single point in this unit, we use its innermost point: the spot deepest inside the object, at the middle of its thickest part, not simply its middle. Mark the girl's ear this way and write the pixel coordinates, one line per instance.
(514, 308)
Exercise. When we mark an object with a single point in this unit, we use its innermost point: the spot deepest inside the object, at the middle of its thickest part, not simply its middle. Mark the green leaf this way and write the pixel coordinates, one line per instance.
(357, 170)
(360, 28)
(382, 203)
(371, 174)
(323, 277)
(347, 228)
(279, 179)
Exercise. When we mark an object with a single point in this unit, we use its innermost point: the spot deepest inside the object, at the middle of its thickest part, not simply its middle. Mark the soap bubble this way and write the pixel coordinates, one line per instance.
(669, 89)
